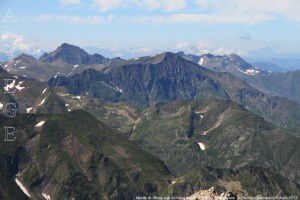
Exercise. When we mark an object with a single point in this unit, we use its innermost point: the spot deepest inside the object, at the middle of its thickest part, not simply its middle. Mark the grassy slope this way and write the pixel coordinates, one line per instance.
(236, 139)
(74, 155)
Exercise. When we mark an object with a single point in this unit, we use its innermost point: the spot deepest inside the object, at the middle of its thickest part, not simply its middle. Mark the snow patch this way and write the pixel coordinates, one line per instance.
(74, 67)
(19, 87)
(1, 105)
(44, 90)
(201, 61)
(202, 146)
(22, 67)
(113, 87)
(41, 123)
(42, 102)
(120, 90)
(21, 186)
(29, 109)
(46, 196)
(13, 85)
(251, 72)
(198, 113)
(63, 94)
(10, 86)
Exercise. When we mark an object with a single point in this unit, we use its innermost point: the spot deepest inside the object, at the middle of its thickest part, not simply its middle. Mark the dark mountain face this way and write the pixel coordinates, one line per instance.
(168, 77)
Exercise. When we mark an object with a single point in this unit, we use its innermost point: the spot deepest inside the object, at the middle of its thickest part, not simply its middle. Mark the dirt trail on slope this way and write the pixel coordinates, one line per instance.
(217, 123)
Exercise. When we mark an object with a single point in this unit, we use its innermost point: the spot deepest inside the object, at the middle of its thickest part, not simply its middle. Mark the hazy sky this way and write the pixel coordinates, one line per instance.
(146, 26)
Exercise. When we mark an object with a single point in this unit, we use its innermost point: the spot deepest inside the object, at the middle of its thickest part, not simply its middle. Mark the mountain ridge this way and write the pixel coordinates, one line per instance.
(162, 80)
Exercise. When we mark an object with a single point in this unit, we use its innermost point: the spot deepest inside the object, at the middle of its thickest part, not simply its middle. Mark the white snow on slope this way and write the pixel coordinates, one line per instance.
(251, 72)
(44, 90)
(19, 87)
(13, 85)
(42, 102)
(201, 61)
(41, 123)
(120, 90)
(75, 66)
(198, 113)
(202, 146)
(1, 105)
(29, 109)
(46, 196)
(10, 86)
(113, 87)
(21, 186)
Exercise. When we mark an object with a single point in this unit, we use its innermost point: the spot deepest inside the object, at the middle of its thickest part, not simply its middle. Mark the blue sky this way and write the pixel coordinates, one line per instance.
(149, 26)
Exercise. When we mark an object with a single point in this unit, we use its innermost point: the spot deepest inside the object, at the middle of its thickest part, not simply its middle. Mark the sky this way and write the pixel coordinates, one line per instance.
(140, 27)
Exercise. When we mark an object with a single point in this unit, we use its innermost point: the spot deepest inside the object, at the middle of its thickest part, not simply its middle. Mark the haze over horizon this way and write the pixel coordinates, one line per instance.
(129, 28)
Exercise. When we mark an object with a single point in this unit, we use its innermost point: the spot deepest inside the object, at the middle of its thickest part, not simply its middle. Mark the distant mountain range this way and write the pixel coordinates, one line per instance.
(284, 84)
(277, 63)
(266, 66)
(286, 61)
(65, 60)
(161, 125)
(150, 80)
(166, 77)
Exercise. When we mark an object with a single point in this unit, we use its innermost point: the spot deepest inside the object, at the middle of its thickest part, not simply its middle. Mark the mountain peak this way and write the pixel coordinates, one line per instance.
(26, 57)
(72, 55)
(64, 45)
(180, 53)
(167, 56)
(65, 52)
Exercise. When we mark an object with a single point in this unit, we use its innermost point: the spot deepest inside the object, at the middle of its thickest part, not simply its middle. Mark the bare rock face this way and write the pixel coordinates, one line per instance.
(211, 194)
